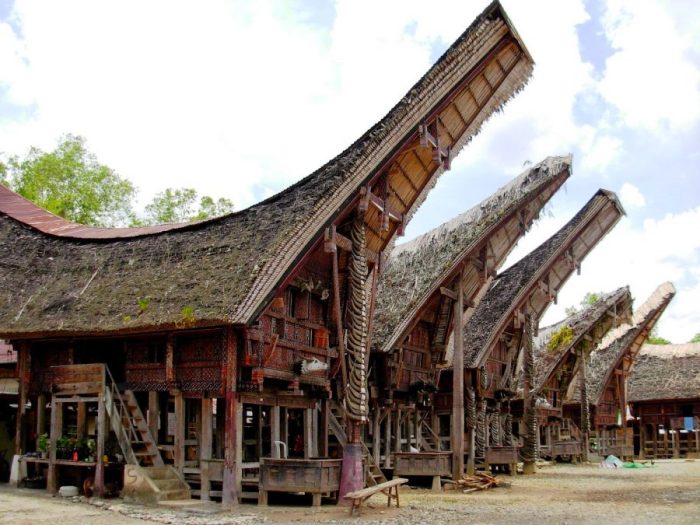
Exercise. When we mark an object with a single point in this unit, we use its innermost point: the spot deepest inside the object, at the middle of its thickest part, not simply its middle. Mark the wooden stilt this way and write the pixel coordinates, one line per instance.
(81, 420)
(324, 430)
(205, 447)
(275, 431)
(40, 415)
(397, 431)
(180, 424)
(376, 435)
(308, 434)
(314, 432)
(233, 426)
(471, 463)
(387, 439)
(233, 450)
(100, 448)
(284, 426)
(55, 431)
(153, 414)
(23, 373)
(457, 431)
(220, 426)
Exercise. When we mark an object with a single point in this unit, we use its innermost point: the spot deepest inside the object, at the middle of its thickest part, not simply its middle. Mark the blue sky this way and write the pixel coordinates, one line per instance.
(241, 99)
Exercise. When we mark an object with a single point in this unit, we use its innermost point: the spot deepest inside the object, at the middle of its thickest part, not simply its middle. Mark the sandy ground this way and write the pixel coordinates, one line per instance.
(667, 493)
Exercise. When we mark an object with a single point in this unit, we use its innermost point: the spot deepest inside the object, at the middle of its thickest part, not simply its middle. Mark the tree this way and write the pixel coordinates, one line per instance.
(589, 299)
(695, 339)
(71, 183)
(655, 339)
(179, 205)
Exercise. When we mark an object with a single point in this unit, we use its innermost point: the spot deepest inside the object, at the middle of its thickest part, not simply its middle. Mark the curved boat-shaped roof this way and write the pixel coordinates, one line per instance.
(416, 270)
(589, 324)
(71, 279)
(535, 280)
(625, 341)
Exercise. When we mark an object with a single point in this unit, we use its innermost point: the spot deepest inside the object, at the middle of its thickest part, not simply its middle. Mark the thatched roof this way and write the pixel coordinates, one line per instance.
(624, 341)
(665, 372)
(553, 262)
(417, 269)
(226, 270)
(591, 322)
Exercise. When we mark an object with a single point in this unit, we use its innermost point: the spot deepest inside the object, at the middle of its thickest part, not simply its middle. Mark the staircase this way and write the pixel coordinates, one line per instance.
(570, 430)
(146, 477)
(430, 441)
(373, 474)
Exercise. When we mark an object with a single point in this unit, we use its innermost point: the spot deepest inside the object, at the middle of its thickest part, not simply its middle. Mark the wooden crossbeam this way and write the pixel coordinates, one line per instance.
(334, 240)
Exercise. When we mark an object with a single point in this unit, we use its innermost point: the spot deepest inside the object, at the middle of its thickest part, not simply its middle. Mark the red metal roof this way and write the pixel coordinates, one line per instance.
(25, 211)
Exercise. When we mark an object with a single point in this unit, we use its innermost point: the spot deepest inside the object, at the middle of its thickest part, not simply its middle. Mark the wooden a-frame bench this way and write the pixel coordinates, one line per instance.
(360, 496)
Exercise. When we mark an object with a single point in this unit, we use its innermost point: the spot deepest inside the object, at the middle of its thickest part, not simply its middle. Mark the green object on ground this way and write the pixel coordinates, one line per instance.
(636, 465)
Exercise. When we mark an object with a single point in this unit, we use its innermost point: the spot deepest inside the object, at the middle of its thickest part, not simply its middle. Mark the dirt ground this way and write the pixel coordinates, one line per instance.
(667, 493)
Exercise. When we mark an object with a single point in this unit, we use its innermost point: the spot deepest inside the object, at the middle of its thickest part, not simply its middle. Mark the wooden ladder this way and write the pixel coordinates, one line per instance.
(373, 474)
(129, 425)
(429, 439)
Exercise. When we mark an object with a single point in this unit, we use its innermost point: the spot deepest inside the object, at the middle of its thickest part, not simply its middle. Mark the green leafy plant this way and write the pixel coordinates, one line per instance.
(560, 338)
(43, 442)
(143, 303)
(187, 314)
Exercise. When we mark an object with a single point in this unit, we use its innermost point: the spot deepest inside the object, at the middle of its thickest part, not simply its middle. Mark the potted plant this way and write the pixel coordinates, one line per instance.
(43, 444)
(63, 448)
(90, 446)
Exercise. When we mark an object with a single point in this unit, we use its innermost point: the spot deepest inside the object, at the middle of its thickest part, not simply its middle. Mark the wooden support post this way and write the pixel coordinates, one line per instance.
(471, 460)
(55, 431)
(376, 435)
(100, 448)
(642, 439)
(275, 431)
(457, 434)
(284, 425)
(23, 374)
(397, 431)
(387, 439)
(676, 441)
(308, 433)
(259, 423)
(233, 450)
(164, 414)
(417, 428)
(40, 415)
(170, 360)
(180, 424)
(435, 425)
(81, 420)
(205, 447)
(314, 432)
(233, 432)
(324, 430)
(339, 321)
(220, 426)
(153, 414)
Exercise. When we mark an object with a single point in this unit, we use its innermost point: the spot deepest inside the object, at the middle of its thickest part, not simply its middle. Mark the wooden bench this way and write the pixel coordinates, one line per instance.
(360, 496)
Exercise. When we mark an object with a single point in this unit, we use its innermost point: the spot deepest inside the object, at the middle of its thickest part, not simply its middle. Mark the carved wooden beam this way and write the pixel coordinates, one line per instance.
(333, 240)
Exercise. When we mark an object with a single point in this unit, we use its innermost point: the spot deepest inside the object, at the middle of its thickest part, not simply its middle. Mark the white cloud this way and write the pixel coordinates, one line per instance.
(631, 196)
(650, 77)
